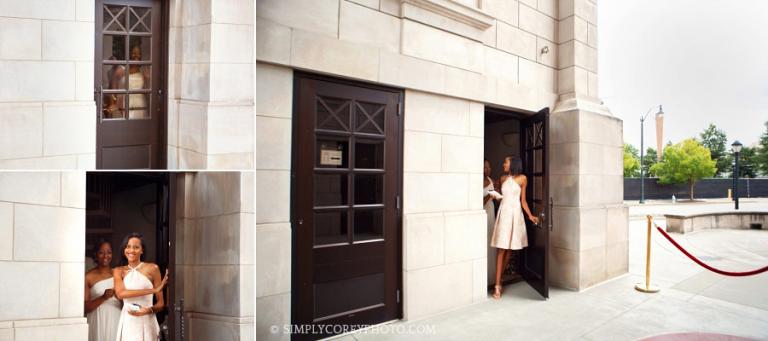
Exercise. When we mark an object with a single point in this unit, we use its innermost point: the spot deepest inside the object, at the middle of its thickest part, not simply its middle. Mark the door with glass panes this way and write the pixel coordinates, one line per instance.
(129, 84)
(345, 194)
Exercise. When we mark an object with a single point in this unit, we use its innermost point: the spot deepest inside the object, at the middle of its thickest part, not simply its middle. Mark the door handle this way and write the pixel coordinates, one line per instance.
(551, 206)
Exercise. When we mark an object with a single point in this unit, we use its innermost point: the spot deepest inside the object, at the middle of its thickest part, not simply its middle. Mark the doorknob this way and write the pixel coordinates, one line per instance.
(542, 218)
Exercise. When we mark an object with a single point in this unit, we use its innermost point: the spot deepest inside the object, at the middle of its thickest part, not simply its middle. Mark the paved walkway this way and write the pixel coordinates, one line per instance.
(691, 299)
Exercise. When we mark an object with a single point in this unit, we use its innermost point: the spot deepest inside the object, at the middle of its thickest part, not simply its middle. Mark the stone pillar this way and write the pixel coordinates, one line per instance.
(42, 237)
(47, 110)
(589, 242)
(211, 77)
(273, 228)
(215, 256)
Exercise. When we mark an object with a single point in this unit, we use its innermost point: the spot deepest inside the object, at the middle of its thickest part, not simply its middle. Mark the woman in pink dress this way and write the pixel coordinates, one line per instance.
(509, 231)
(135, 283)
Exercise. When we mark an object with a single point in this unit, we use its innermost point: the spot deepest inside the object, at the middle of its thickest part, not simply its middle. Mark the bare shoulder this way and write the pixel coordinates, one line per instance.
(503, 177)
(521, 178)
(153, 269)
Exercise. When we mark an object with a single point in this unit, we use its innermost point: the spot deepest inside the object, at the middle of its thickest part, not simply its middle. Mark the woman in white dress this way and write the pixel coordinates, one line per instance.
(490, 214)
(101, 307)
(509, 230)
(135, 283)
(138, 78)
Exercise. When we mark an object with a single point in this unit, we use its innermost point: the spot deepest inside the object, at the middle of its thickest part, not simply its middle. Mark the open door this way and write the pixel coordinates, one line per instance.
(130, 64)
(535, 152)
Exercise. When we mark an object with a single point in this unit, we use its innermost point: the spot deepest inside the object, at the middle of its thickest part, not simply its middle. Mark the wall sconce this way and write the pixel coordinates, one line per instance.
(545, 50)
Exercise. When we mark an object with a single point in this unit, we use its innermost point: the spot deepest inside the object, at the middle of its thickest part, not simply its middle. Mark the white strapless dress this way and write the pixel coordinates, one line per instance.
(141, 328)
(137, 102)
(102, 322)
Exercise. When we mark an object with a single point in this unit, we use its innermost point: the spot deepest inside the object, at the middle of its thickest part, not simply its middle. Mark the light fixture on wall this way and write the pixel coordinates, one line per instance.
(545, 50)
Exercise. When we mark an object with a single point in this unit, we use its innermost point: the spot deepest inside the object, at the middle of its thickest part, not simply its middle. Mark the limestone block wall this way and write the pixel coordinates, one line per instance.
(215, 226)
(47, 110)
(42, 224)
(589, 242)
(394, 43)
(444, 228)
(211, 77)
(274, 91)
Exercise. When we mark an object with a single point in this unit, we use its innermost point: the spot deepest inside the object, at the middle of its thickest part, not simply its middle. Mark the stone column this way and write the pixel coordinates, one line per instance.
(47, 110)
(42, 238)
(215, 256)
(589, 242)
(211, 77)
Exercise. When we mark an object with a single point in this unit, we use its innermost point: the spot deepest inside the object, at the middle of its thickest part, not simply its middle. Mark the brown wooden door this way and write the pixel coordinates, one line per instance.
(345, 204)
(129, 82)
(535, 152)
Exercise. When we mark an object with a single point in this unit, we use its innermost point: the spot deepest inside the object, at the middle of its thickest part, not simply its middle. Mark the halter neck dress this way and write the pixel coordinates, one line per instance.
(137, 328)
(509, 230)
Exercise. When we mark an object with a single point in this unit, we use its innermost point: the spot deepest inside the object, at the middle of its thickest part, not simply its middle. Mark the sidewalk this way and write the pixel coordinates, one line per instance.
(691, 299)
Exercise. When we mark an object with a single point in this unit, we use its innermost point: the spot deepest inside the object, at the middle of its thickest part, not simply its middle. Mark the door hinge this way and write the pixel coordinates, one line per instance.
(398, 296)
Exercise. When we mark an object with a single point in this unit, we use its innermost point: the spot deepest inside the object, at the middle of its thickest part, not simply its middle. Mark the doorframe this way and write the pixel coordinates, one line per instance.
(298, 74)
(521, 116)
(165, 20)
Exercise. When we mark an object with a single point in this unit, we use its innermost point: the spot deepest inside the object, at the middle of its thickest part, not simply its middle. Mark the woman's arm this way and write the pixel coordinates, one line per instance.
(159, 284)
(122, 293)
(535, 220)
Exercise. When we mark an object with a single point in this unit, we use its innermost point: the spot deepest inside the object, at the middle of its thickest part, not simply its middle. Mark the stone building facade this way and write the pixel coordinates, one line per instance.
(48, 96)
(453, 61)
(43, 233)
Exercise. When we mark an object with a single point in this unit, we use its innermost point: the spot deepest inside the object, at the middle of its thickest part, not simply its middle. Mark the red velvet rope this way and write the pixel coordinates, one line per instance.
(710, 268)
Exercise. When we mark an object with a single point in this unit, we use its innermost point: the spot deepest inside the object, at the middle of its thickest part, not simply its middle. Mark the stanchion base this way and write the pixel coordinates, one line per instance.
(647, 289)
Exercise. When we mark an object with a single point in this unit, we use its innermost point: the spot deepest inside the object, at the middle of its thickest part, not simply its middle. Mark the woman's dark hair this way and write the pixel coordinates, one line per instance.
(515, 164)
(97, 247)
(124, 244)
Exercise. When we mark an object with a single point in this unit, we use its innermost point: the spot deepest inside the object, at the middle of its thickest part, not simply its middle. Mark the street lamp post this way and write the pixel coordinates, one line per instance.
(642, 152)
(736, 147)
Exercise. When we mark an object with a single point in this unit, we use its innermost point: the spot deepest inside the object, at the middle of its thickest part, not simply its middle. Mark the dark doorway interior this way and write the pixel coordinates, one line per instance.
(120, 203)
(502, 138)
(524, 135)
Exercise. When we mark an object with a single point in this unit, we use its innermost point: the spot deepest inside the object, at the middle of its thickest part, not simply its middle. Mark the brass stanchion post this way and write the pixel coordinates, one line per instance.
(647, 287)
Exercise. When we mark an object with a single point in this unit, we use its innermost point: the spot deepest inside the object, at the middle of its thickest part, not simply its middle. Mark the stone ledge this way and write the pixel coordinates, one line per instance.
(729, 220)
(454, 11)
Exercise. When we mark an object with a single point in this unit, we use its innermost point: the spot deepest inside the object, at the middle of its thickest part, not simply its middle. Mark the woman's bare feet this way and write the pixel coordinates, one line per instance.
(497, 291)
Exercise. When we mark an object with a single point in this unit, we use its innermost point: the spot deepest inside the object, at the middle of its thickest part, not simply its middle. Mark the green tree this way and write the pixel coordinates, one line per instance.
(649, 159)
(631, 161)
(761, 154)
(748, 162)
(716, 141)
(685, 162)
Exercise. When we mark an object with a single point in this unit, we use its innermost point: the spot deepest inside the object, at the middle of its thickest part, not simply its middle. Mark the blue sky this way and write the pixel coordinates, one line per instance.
(704, 61)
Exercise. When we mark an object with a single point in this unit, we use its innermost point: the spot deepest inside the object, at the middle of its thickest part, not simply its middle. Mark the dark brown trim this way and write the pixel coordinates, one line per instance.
(160, 85)
(301, 178)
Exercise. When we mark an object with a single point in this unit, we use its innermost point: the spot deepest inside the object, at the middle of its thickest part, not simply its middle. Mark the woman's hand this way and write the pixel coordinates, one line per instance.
(141, 312)
(160, 287)
(108, 293)
(535, 220)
